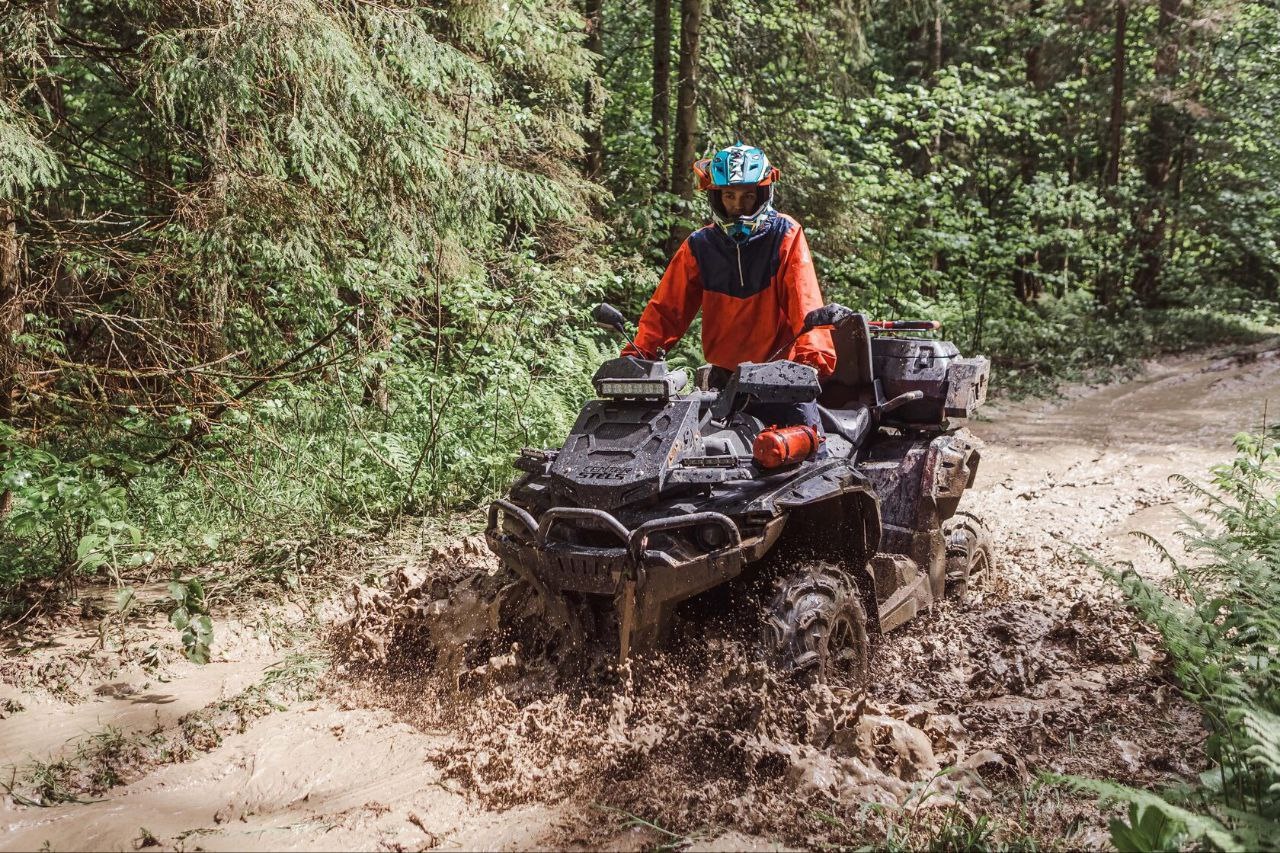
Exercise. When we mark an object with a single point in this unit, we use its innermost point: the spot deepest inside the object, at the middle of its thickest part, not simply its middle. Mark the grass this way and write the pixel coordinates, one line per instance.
(100, 762)
(1063, 342)
(665, 839)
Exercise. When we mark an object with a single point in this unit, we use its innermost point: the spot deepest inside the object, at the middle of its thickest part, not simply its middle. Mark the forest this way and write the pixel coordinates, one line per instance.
(286, 282)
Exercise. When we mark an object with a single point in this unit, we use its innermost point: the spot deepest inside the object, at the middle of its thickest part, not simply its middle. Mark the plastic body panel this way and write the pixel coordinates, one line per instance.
(619, 453)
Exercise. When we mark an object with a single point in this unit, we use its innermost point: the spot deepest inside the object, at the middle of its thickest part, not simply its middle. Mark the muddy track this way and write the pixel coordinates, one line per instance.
(1044, 673)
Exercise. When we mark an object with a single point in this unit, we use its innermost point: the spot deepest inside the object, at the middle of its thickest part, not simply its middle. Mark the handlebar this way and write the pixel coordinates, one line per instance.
(905, 325)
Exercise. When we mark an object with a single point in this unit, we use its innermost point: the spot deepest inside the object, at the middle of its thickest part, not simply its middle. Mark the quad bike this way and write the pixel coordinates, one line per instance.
(659, 501)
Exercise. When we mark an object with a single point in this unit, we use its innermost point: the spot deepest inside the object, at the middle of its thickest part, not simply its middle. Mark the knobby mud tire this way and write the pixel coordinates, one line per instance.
(815, 628)
(518, 614)
(969, 565)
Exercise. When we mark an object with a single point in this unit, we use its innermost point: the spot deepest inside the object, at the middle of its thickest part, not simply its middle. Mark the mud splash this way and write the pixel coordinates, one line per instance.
(1046, 671)
(703, 737)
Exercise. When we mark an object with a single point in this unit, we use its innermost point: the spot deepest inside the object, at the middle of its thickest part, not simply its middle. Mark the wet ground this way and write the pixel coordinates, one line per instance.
(110, 748)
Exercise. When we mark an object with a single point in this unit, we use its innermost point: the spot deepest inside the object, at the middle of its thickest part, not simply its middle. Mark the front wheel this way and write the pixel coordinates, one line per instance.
(815, 628)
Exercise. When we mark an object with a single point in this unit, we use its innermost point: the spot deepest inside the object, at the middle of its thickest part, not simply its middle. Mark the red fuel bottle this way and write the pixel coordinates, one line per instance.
(778, 446)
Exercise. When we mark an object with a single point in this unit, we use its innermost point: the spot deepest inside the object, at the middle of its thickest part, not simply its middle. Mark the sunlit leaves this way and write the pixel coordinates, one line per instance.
(190, 616)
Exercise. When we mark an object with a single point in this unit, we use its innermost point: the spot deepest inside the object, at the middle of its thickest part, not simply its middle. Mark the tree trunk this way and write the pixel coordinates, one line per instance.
(1157, 154)
(935, 70)
(11, 315)
(686, 111)
(592, 100)
(375, 392)
(660, 119)
(933, 151)
(50, 85)
(935, 45)
(1110, 274)
(1026, 281)
(1116, 128)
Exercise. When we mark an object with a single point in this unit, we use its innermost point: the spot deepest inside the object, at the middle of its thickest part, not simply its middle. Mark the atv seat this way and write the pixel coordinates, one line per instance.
(853, 381)
(852, 424)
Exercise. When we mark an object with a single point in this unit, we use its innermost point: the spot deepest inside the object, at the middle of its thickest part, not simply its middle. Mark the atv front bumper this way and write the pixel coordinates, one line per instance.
(563, 566)
(646, 583)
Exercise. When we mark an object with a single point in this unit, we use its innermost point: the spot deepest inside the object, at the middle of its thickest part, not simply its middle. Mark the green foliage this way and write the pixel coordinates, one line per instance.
(1146, 829)
(25, 161)
(190, 615)
(70, 516)
(294, 270)
(1221, 628)
(248, 178)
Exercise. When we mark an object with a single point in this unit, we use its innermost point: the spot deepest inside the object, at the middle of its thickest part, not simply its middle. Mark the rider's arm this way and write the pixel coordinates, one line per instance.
(800, 296)
(672, 308)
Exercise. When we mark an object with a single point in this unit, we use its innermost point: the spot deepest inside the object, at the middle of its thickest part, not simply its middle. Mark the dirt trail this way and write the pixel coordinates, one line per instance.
(1045, 673)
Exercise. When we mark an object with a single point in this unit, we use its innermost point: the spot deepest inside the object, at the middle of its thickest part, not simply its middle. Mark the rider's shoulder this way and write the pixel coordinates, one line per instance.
(788, 222)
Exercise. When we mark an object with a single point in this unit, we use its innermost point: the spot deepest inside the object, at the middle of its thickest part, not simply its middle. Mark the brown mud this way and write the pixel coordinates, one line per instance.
(406, 745)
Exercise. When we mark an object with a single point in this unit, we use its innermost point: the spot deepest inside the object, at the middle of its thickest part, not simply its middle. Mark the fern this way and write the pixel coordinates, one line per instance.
(1184, 825)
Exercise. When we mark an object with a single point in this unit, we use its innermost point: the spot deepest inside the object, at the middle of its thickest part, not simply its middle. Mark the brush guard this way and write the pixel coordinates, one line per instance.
(645, 582)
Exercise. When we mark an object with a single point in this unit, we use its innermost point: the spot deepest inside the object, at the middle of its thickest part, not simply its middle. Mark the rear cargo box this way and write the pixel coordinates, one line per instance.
(953, 387)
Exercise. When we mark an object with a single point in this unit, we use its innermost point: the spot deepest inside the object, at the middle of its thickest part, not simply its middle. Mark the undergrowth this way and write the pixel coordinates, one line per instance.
(265, 493)
(1221, 628)
(1036, 348)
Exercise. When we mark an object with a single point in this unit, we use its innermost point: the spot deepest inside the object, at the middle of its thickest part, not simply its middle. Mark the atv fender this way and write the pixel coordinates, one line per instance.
(950, 468)
(820, 525)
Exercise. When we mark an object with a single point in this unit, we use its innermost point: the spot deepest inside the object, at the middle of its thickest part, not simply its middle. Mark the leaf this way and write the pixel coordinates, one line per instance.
(196, 653)
(92, 562)
(125, 598)
(180, 618)
(195, 594)
(1196, 825)
(178, 591)
(1125, 839)
(87, 545)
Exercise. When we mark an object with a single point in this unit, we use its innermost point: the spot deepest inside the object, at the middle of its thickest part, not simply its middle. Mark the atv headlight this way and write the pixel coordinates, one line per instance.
(633, 388)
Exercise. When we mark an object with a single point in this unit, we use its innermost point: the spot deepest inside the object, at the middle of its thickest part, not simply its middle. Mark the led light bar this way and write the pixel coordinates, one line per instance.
(633, 388)
(711, 461)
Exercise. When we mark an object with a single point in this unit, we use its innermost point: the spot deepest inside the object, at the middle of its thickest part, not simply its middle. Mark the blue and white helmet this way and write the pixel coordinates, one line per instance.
(738, 165)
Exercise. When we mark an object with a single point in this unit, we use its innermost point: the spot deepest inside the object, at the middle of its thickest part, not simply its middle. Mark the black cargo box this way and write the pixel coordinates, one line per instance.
(953, 386)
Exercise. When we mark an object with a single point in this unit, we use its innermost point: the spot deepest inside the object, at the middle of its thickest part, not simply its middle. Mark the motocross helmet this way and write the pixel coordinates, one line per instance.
(738, 166)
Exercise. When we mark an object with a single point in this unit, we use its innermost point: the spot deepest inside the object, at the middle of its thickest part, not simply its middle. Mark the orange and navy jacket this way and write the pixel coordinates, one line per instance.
(753, 297)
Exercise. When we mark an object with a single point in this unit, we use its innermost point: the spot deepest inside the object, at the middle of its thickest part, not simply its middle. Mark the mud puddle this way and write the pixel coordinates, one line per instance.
(1044, 673)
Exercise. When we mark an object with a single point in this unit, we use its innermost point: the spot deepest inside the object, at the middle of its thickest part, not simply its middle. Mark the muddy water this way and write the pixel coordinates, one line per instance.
(1045, 672)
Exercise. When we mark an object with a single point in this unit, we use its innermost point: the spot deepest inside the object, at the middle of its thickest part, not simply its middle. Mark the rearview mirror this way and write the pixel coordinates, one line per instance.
(608, 317)
(828, 315)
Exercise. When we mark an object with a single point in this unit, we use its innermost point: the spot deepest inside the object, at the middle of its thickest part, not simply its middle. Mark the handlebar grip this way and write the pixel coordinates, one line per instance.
(906, 325)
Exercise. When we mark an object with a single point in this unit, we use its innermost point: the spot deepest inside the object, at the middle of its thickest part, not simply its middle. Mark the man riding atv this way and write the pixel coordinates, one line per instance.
(751, 273)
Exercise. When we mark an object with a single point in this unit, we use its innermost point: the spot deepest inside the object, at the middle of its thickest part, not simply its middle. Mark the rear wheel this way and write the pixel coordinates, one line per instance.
(969, 567)
(815, 628)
